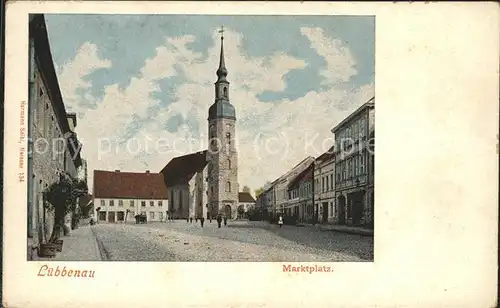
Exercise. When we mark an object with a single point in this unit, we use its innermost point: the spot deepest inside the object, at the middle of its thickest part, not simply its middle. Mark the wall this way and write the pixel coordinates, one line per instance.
(179, 191)
(46, 158)
(326, 188)
(219, 170)
(136, 208)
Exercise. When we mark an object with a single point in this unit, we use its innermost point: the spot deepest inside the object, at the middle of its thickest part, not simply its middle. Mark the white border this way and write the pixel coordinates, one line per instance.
(436, 199)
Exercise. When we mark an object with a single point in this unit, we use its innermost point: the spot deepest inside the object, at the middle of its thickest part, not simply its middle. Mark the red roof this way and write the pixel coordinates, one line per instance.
(305, 175)
(117, 184)
(182, 168)
(245, 197)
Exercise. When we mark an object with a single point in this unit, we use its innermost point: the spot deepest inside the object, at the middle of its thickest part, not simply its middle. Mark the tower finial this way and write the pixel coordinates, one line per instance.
(222, 71)
(221, 31)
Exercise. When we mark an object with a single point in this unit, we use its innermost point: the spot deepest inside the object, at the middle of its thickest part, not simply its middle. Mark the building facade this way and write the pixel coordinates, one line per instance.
(281, 196)
(50, 134)
(300, 196)
(119, 196)
(354, 166)
(324, 187)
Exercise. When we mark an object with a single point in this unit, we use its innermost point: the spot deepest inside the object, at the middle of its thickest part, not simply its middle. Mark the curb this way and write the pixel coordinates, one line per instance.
(349, 232)
(103, 252)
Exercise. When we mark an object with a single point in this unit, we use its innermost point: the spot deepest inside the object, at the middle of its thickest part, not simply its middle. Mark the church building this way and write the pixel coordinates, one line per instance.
(206, 183)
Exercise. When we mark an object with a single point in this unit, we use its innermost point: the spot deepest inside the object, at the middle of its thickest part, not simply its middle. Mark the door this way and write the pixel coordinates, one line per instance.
(341, 210)
(325, 212)
(111, 216)
(228, 211)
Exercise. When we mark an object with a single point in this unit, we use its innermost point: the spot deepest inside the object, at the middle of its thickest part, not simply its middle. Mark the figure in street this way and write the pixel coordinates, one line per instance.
(280, 221)
(225, 221)
(202, 221)
(191, 219)
(219, 220)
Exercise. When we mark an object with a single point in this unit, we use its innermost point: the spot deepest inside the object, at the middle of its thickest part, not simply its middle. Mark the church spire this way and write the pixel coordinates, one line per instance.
(221, 71)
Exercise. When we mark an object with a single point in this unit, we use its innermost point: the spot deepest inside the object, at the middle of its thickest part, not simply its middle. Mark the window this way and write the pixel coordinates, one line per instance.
(331, 181)
(131, 203)
(160, 203)
(224, 90)
(212, 189)
(111, 202)
(103, 202)
(120, 202)
(180, 200)
(327, 186)
(229, 164)
(362, 164)
(228, 138)
(151, 215)
(228, 186)
(151, 203)
(362, 128)
(143, 203)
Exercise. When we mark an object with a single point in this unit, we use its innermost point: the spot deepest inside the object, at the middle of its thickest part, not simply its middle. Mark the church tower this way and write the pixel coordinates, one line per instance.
(222, 157)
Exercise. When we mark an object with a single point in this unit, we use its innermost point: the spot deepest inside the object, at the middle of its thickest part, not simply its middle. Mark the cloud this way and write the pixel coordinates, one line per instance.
(340, 64)
(71, 77)
(271, 136)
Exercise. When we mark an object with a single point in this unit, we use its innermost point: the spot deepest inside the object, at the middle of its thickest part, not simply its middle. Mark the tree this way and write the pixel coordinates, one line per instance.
(246, 189)
(62, 196)
(259, 191)
(241, 211)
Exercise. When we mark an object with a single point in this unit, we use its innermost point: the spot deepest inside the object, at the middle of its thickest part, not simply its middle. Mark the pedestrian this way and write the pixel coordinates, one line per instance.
(187, 220)
(219, 220)
(210, 218)
(225, 221)
(202, 221)
(190, 219)
(280, 221)
(196, 219)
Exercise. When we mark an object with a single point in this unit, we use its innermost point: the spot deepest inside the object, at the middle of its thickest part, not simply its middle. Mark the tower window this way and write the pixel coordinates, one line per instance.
(229, 163)
(228, 138)
(228, 186)
(224, 91)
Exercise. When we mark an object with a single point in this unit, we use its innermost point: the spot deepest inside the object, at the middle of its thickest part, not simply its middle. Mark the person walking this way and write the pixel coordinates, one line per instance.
(191, 219)
(225, 221)
(219, 220)
(280, 221)
(202, 221)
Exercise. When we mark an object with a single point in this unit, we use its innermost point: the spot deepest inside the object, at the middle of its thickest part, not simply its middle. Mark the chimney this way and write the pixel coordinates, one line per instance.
(147, 171)
(117, 170)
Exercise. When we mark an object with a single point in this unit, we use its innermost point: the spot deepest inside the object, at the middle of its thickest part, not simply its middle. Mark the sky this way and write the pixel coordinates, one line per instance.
(141, 85)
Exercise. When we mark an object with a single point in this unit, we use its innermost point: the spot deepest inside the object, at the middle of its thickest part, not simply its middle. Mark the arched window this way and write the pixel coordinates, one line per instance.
(228, 138)
(229, 164)
(228, 186)
(224, 91)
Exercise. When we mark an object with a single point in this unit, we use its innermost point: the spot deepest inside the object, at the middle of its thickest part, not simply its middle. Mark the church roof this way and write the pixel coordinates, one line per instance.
(182, 168)
(129, 185)
(221, 109)
(245, 197)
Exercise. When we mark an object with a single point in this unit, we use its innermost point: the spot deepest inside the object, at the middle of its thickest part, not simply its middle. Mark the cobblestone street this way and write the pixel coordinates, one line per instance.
(239, 241)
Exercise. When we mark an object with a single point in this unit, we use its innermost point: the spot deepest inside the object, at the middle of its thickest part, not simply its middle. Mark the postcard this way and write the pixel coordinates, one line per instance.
(223, 154)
